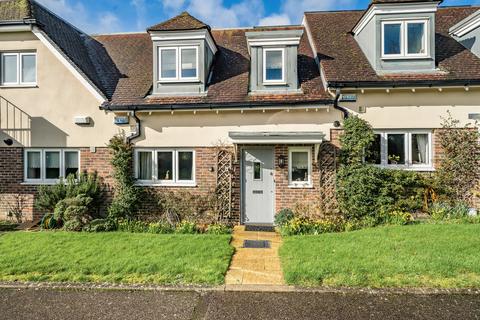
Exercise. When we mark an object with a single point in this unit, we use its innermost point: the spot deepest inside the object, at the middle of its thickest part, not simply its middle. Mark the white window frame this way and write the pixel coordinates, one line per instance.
(408, 150)
(175, 182)
(297, 184)
(178, 62)
(19, 81)
(43, 167)
(404, 39)
(265, 80)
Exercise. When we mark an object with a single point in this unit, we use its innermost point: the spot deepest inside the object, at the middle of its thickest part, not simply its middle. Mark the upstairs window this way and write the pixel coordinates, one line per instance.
(18, 68)
(273, 65)
(402, 39)
(178, 63)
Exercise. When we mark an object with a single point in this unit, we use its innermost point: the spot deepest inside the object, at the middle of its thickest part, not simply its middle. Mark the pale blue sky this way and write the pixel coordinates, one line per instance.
(107, 16)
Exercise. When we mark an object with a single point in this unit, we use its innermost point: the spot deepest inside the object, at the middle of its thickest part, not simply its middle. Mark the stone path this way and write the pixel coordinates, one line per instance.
(255, 266)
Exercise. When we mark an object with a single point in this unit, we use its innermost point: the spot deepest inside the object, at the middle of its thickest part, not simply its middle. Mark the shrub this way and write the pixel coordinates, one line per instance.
(7, 225)
(444, 211)
(160, 228)
(127, 197)
(283, 217)
(133, 226)
(187, 227)
(48, 222)
(100, 225)
(368, 191)
(218, 229)
(399, 218)
(304, 226)
(88, 184)
(356, 139)
(73, 225)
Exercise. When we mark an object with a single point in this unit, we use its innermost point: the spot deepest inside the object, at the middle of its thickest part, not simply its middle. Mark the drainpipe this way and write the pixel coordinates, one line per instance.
(138, 127)
(336, 106)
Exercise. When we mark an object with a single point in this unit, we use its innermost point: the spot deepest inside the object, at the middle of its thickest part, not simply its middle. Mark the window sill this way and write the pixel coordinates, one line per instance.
(411, 168)
(293, 186)
(280, 83)
(406, 58)
(178, 81)
(171, 185)
(39, 183)
(18, 86)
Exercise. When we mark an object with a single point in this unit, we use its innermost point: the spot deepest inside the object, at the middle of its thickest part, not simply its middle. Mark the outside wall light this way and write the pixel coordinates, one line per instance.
(8, 142)
(282, 161)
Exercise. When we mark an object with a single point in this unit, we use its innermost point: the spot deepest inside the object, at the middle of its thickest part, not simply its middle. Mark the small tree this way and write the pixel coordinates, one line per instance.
(356, 140)
(127, 197)
(459, 169)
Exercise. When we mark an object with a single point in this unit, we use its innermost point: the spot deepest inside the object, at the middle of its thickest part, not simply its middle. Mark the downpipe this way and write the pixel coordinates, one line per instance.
(138, 128)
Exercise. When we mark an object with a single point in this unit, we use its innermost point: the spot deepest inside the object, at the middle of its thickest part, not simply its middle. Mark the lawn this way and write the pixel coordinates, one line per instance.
(114, 257)
(433, 256)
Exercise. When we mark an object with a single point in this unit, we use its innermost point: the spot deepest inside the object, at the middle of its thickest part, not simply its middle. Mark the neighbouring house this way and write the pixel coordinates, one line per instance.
(251, 113)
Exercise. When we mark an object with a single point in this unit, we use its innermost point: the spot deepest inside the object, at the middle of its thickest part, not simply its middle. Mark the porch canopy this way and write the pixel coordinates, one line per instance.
(268, 138)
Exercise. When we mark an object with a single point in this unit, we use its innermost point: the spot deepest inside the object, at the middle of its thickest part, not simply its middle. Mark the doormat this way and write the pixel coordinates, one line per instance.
(256, 244)
(259, 228)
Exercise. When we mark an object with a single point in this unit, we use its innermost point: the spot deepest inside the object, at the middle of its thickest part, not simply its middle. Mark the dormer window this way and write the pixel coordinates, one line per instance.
(178, 63)
(274, 65)
(405, 39)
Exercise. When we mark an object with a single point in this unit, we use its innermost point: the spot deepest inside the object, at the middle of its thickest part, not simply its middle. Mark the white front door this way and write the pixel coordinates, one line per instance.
(258, 186)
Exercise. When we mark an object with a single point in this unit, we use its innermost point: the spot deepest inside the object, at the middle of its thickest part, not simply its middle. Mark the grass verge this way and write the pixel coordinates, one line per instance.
(114, 257)
(433, 256)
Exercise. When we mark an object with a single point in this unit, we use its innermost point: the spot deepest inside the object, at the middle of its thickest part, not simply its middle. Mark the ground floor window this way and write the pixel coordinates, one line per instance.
(50, 165)
(409, 149)
(165, 166)
(300, 166)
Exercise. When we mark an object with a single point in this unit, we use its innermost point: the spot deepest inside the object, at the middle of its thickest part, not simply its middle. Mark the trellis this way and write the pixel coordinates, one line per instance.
(224, 183)
(328, 162)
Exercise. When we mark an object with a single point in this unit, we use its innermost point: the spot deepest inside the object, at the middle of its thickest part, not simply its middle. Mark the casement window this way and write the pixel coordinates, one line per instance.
(165, 166)
(273, 65)
(404, 149)
(50, 165)
(18, 68)
(405, 39)
(178, 63)
(300, 167)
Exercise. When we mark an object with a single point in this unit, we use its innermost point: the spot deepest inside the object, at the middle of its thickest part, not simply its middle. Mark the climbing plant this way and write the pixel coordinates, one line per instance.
(356, 140)
(127, 197)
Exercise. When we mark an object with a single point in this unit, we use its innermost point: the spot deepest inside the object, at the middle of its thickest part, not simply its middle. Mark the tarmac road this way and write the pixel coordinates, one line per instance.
(76, 304)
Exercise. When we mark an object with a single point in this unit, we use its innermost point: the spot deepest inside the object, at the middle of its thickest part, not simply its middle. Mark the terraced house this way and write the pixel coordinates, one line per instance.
(254, 113)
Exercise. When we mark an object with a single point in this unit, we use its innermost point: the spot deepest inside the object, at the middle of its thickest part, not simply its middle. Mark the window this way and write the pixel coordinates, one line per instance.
(404, 39)
(18, 68)
(178, 63)
(257, 171)
(300, 167)
(406, 149)
(165, 167)
(49, 166)
(273, 65)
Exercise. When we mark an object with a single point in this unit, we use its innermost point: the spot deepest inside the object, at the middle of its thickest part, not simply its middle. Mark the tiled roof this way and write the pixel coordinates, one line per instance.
(183, 21)
(402, 1)
(132, 54)
(14, 10)
(344, 63)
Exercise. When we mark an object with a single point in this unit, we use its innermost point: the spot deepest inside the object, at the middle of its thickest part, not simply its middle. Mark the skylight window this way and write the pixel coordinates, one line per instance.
(404, 39)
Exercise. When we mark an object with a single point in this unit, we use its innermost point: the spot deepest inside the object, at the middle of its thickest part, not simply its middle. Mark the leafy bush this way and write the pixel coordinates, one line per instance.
(283, 217)
(368, 191)
(73, 225)
(48, 222)
(399, 218)
(100, 225)
(160, 228)
(7, 225)
(127, 197)
(304, 226)
(136, 226)
(356, 139)
(187, 227)
(445, 211)
(218, 229)
(88, 184)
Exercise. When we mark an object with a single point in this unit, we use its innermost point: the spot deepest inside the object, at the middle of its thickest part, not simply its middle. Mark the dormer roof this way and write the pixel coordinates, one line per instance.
(15, 10)
(183, 22)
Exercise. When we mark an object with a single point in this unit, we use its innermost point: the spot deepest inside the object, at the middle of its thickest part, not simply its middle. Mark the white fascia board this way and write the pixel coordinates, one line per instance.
(69, 65)
(382, 9)
(274, 42)
(466, 25)
(15, 28)
(185, 35)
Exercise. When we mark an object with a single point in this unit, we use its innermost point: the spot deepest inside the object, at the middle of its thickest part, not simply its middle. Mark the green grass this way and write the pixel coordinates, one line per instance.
(433, 256)
(114, 257)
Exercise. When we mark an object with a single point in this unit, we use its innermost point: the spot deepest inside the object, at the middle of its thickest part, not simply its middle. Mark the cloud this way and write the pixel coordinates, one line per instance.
(294, 9)
(173, 4)
(141, 12)
(275, 20)
(77, 14)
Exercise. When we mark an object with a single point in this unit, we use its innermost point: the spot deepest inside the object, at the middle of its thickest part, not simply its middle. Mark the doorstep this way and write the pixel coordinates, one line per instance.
(255, 266)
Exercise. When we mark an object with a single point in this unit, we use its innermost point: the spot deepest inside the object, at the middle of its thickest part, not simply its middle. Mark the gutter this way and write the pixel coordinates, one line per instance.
(404, 84)
(336, 106)
(138, 127)
(207, 106)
